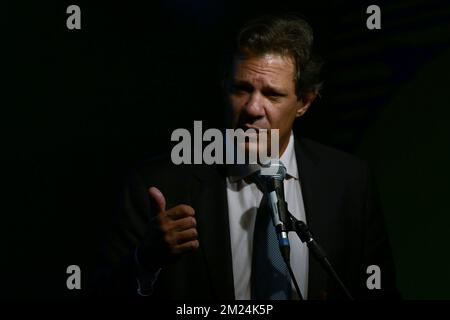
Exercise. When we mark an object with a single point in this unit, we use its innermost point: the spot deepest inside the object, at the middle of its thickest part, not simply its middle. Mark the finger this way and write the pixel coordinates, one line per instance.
(186, 236)
(187, 246)
(184, 223)
(158, 197)
(181, 211)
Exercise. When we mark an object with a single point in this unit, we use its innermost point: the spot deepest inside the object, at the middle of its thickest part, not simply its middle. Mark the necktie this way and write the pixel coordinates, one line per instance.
(270, 278)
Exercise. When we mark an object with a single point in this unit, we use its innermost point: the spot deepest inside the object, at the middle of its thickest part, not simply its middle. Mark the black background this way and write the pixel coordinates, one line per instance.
(82, 106)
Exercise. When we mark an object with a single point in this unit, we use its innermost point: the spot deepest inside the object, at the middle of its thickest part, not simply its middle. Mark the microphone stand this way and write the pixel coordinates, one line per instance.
(305, 235)
(285, 222)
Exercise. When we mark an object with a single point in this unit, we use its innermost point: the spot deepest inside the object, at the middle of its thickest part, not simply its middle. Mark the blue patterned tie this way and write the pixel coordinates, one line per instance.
(270, 276)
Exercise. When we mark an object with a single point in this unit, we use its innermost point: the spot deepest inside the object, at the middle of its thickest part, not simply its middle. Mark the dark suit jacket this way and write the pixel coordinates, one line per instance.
(340, 210)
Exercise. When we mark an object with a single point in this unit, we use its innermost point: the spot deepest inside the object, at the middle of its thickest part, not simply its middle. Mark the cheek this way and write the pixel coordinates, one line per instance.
(281, 117)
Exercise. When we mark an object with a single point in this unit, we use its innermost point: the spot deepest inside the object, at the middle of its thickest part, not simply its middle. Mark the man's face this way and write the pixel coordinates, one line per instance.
(262, 96)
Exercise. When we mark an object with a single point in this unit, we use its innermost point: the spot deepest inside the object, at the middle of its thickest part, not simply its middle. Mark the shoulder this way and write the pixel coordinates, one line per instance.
(327, 154)
(332, 162)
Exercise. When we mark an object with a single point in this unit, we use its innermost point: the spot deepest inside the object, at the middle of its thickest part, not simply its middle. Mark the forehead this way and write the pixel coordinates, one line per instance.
(268, 68)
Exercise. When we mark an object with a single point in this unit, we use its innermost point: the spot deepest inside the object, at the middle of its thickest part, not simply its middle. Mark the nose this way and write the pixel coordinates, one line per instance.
(254, 107)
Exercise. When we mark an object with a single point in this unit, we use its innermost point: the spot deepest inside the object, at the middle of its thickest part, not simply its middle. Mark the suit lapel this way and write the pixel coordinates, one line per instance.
(210, 203)
(309, 173)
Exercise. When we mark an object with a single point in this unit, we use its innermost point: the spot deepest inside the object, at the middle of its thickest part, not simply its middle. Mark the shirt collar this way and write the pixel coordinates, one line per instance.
(240, 171)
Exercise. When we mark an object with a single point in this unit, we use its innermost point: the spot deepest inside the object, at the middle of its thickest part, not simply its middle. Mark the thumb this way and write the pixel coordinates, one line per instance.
(158, 197)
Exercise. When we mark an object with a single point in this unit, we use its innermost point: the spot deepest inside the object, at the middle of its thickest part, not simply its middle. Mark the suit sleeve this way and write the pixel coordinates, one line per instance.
(123, 269)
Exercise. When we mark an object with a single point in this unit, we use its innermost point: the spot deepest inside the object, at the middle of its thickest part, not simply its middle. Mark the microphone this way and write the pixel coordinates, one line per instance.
(270, 178)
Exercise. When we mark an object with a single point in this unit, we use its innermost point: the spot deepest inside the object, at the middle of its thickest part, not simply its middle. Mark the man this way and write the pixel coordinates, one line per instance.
(191, 232)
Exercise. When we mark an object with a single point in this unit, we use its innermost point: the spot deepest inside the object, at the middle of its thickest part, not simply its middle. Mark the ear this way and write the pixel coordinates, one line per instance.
(305, 102)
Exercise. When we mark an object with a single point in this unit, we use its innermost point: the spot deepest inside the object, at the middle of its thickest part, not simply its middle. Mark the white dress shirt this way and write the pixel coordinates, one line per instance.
(243, 202)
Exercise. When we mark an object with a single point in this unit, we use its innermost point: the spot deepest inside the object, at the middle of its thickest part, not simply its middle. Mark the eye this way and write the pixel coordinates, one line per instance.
(273, 95)
(238, 88)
